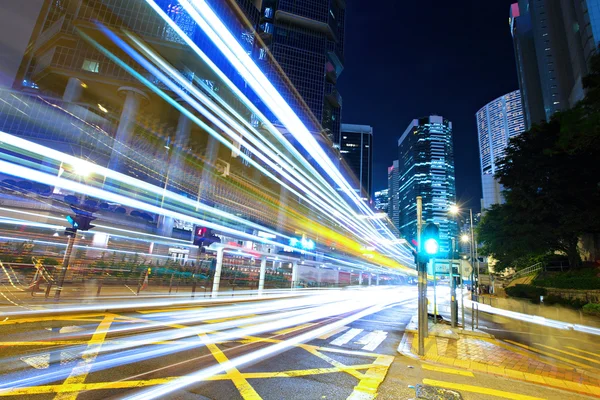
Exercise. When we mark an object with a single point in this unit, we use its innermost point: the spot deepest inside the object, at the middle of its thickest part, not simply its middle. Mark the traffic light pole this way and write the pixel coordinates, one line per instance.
(63, 272)
(422, 286)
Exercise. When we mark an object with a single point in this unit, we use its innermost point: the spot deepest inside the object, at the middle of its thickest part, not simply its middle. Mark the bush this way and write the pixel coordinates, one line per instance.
(576, 303)
(530, 292)
(592, 309)
(50, 261)
(583, 279)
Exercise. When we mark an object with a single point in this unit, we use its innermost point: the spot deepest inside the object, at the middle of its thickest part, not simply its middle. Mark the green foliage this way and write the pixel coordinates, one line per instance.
(592, 309)
(552, 179)
(553, 299)
(585, 279)
(530, 292)
(50, 261)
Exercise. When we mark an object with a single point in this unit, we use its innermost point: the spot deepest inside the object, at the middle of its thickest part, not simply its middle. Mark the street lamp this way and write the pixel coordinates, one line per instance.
(464, 238)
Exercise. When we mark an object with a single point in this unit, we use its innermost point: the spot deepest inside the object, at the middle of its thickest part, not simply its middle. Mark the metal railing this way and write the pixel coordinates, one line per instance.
(528, 271)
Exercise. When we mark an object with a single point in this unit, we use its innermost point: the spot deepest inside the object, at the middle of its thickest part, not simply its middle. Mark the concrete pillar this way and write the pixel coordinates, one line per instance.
(218, 268)
(73, 91)
(294, 274)
(261, 279)
(133, 100)
(175, 168)
(377, 280)
(360, 278)
(370, 276)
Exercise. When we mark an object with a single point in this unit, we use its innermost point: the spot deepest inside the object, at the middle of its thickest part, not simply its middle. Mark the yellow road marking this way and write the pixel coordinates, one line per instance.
(550, 355)
(480, 390)
(303, 372)
(367, 386)
(583, 351)
(86, 317)
(162, 310)
(243, 386)
(294, 329)
(83, 367)
(569, 353)
(214, 321)
(333, 332)
(73, 342)
(447, 370)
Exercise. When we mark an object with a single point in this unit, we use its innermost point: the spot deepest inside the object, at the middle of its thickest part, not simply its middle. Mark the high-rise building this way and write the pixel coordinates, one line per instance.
(356, 148)
(306, 38)
(393, 210)
(426, 169)
(382, 200)
(497, 122)
(553, 41)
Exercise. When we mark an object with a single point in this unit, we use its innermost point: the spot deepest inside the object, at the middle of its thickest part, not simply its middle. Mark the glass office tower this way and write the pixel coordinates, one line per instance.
(426, 169)
(382, 200)
(497, 122)
(306, 38)
(356, 148)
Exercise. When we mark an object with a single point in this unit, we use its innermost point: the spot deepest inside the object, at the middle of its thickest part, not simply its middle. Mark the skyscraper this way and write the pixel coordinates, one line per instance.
(553, 43)
(426, 169)
(306, 38)
(356, 148)
(497, 122)
(393, 210)
(382, 200)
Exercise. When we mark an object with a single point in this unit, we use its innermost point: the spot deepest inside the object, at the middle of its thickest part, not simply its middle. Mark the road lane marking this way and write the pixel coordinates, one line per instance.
(569, 353)
(163, 310)
(83, 367)
(346, 337)
(583, 351)
(548, 354)
(215, 321)
(333, 332)
(372, 340)
(243, 386)
(294, 329)
(480, 390)
(82, 317)
(447, 370)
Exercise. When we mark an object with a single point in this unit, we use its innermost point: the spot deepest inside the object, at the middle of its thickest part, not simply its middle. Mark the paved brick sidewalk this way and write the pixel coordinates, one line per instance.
(484, 354)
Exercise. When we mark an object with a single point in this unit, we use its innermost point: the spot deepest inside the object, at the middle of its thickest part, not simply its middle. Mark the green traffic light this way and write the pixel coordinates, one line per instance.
(431, 246)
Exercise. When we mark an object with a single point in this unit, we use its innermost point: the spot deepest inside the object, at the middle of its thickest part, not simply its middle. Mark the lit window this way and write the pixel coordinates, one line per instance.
(91, 66)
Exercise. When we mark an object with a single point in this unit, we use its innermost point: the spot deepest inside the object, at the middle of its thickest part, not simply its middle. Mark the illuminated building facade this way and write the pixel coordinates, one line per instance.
(382, 200)
(393, 210)
(426, 169)
(306, 39)
(497, 122)
(356, 148)
(553, 42)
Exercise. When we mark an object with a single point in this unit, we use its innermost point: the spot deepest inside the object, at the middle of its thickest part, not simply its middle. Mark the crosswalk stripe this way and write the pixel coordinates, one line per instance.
(333, 332)
(372, 340)
(346, 337)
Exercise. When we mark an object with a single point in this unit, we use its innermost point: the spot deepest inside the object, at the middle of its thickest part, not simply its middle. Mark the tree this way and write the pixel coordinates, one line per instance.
(551, 176)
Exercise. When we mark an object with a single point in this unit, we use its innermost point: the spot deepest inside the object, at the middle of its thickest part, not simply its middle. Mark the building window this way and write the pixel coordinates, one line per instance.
(91, 66)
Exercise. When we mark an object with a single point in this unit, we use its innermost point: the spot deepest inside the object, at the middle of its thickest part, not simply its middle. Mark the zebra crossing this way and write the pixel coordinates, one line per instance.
(365, 339)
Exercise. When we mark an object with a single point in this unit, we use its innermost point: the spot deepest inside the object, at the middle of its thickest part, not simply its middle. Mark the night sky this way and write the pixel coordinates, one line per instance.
(408, 59)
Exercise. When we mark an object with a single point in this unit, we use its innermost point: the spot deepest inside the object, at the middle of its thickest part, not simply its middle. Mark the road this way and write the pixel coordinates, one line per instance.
(307, 344)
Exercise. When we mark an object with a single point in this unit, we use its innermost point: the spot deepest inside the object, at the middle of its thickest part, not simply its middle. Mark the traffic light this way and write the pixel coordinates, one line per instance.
(431, 239)
(204, 237)
(82, 220)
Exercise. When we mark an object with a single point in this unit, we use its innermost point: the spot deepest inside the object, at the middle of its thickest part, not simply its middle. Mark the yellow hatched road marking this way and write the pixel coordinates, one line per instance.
(367, 386)
(294, 329)
(243, 386)
(83, 367)
(480, 390)
(546, 353)
(447, 370)
(85, 317)
(333, 332)
(569, 353)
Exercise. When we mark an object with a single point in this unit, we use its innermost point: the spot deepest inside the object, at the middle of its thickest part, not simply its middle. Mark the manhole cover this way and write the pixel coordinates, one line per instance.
(436, 393)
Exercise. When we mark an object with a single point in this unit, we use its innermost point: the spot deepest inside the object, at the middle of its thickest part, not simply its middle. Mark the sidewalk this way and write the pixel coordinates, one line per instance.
(480, 352)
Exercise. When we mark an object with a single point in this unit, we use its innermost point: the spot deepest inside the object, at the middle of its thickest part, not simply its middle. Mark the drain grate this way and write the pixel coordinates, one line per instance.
(427, 392)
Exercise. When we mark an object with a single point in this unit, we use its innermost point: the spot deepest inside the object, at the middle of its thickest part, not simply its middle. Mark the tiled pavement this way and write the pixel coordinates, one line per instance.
(491, 356)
